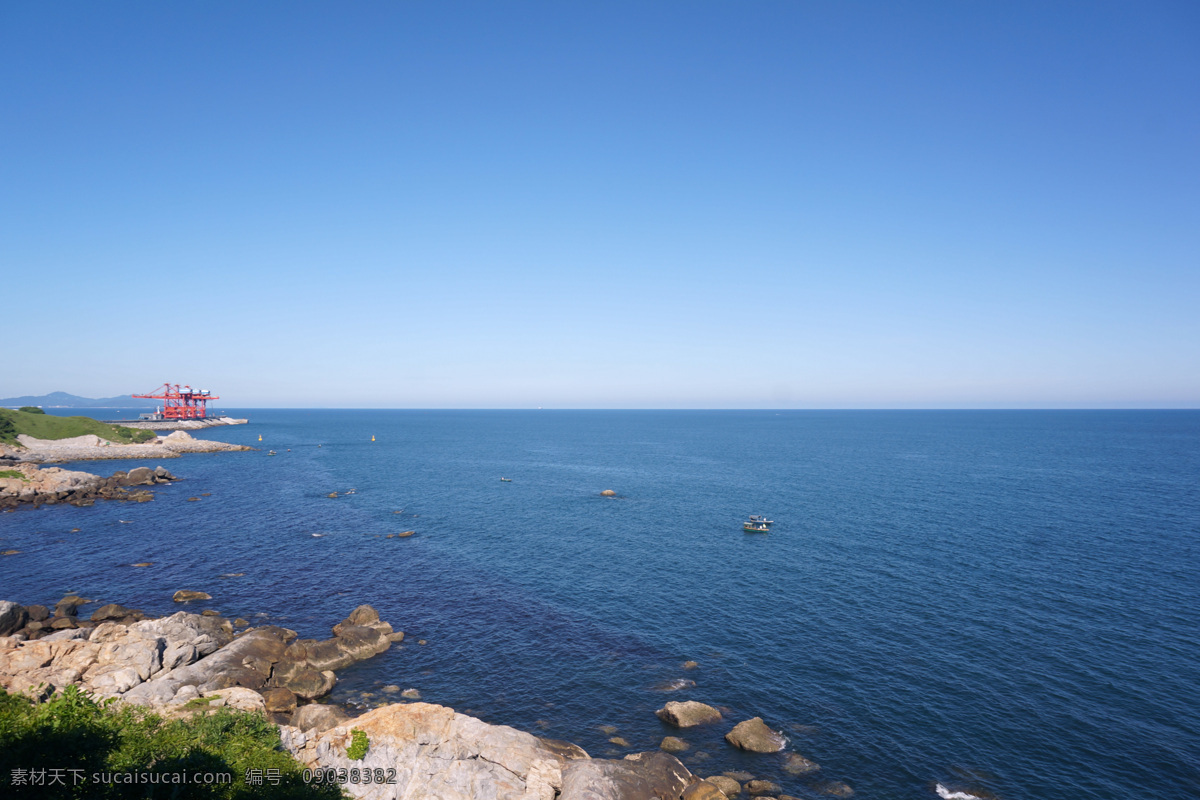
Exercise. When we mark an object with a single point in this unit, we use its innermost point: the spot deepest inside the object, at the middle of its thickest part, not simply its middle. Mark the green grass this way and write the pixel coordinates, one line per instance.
(47, 426)
(71, 731)
(359, 745)
(12, 473)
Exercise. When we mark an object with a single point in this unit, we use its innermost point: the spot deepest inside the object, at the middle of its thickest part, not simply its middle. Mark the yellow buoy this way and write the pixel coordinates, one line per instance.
(260, 437)
(372, 437)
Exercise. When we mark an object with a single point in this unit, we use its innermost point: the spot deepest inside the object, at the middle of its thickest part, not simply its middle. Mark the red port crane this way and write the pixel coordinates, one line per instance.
(181, 402)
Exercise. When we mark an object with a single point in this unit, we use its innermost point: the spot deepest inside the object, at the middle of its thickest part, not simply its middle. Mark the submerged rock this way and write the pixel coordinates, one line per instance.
(796, 764)
(185, 595)
(673, 744)
(762, 787)
(835, 788)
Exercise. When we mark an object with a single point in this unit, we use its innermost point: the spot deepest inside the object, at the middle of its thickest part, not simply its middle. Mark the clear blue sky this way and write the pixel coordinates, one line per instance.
(667, 204)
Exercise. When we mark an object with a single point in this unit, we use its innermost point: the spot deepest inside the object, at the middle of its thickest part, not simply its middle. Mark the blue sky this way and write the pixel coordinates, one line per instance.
(643, 205)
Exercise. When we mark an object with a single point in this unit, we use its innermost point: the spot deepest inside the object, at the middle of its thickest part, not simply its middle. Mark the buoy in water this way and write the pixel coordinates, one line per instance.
(372, 437)
(260, 437)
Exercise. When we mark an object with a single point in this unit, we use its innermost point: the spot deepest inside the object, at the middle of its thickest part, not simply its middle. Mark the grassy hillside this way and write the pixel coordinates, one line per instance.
(46, 426)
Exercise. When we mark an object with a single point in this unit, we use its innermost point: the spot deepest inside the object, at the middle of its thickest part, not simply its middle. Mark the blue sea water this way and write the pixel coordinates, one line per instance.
(999, 602)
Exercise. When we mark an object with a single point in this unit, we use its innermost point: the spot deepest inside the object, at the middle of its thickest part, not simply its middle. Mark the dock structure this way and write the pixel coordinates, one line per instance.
(180, 402)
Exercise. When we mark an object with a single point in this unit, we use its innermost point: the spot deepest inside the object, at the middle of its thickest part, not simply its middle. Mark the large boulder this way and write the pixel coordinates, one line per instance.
(185, 595)
(12, 617)
(308, 684)
(438, 753)
(69, 605)
(687, 714)
(280, 700)
(139, 476)
(318, 717)
(754, 735)
(640, 776)
(703, 790)
(111, 611)
(206, 673)
(363, 615)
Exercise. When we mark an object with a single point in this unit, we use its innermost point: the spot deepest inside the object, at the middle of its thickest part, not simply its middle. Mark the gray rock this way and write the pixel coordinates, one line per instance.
(71, 634)
(37, 613)
(318, 717)
(440, 754)
(762, 787)
(687, 714)
(754, 735)
(12, 617)
(642, 775)
(139, 476)
(309, 684)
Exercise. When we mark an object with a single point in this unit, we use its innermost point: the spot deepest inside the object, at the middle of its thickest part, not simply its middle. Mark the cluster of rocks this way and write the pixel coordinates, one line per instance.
(92, 447)
(50, 485)
(435, 751)
(166, 662)
(751, 735)
(189, 663)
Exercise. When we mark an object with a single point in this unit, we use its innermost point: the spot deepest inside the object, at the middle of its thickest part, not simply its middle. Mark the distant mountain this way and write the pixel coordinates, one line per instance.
(64, 400)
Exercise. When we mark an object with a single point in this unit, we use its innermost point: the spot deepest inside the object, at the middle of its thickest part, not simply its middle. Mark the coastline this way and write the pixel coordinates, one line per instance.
(189, 664)
(94, 448)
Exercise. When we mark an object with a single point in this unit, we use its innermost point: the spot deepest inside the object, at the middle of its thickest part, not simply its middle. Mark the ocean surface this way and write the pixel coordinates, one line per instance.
(1001, 603)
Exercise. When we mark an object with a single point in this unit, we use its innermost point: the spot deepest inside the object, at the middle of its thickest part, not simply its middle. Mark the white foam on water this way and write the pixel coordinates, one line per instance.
(946, 794)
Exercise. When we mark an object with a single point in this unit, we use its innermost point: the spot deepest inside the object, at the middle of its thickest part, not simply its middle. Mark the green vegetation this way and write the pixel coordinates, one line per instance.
(78, 738)
(12, 473)
(31, 410)
(359, 745)
(199, 702)
(47, 426)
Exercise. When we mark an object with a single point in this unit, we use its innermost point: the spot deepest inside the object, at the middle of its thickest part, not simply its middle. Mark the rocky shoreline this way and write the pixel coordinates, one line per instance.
(94, 448)
(29, 484)
(189, 663)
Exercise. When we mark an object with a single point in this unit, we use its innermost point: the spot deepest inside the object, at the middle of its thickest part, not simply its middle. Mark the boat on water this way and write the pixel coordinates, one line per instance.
(507, 480)
(757, 524)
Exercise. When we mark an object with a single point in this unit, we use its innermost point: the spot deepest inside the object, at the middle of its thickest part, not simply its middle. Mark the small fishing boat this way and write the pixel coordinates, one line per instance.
(507, 480)
(757, 524)
(272, 453)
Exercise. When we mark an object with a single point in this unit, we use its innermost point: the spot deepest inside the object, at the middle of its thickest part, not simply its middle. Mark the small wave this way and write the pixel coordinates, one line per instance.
(946, 794)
